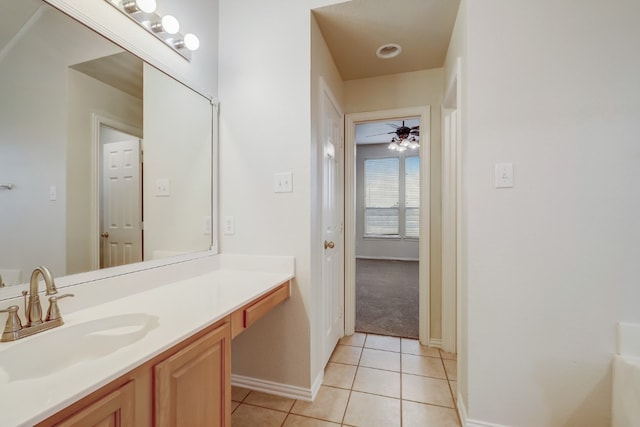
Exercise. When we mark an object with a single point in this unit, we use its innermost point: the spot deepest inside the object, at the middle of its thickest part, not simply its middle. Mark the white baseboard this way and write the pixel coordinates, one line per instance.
(386, 258)
(435, 342)
(466, 422)
(284, 390)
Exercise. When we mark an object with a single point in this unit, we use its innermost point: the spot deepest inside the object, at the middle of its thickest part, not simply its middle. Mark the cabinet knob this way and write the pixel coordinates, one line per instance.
(329, 245)
(105, 234)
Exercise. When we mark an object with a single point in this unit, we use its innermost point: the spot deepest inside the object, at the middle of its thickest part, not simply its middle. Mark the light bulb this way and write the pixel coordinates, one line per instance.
(170, 24)
(191, 42)
(147, 6)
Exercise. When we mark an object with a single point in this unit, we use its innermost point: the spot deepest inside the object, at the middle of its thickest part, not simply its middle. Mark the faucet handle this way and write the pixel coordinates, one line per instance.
(53, 313)
(13, 324)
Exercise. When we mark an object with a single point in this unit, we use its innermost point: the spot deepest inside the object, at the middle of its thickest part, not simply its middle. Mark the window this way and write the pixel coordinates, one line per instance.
(392, 196)
(412, 196)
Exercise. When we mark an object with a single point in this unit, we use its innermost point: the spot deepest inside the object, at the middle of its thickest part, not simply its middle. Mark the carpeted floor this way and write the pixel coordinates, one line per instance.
(387, 297)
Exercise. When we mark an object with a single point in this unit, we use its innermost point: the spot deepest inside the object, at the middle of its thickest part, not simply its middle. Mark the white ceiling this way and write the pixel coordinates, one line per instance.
(355, 29)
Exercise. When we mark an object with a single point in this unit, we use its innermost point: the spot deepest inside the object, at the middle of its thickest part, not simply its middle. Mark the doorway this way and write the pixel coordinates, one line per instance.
(395, 223)
(387, 227)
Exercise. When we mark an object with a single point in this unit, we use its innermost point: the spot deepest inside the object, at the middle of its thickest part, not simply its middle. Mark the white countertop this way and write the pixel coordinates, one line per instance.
(182, 309)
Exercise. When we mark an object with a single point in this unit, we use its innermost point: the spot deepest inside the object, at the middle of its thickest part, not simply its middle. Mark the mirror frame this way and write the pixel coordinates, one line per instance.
(149, 51)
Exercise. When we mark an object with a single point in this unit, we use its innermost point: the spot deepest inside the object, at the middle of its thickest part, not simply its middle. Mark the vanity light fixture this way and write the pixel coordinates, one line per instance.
(133, 6)
(169, 24)
(166, 28)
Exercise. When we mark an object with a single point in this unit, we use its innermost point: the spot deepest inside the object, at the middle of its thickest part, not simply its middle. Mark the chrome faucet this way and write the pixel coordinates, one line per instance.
(14, 330)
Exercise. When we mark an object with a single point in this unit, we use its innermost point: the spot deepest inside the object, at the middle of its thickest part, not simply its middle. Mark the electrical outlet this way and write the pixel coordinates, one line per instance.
(229, 225)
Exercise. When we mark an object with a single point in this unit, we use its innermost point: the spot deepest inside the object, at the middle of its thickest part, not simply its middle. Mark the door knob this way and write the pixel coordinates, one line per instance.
(105, 234)
(329, 245)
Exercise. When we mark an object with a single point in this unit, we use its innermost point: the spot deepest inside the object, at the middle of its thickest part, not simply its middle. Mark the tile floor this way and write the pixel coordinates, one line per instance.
(370, 380)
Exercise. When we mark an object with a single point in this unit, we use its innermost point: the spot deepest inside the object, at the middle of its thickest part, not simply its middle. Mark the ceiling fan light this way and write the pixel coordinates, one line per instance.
(393, 146)
(404, 143)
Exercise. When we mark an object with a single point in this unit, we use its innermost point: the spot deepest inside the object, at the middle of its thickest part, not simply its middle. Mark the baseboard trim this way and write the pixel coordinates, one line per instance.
(464, 418)
(386, 258)
(435, 342)
(284, 390)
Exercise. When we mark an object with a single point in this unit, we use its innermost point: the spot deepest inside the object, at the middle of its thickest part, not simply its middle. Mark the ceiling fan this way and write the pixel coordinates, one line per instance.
(405, 137)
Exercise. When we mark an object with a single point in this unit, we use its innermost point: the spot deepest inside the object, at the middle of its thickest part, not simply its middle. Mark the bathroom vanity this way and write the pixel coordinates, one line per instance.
(158, 357)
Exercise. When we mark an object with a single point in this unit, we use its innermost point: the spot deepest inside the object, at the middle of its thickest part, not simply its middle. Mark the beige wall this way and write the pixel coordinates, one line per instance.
(265, 123)
(551, 263)
(413, 89)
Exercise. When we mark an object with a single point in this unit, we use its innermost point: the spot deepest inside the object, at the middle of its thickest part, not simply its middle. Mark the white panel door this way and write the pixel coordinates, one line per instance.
(121, 209)
(332, 225)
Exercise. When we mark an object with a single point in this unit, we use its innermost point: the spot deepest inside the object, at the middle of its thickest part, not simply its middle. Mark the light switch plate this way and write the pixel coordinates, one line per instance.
(53, 193)
(504, 175)
(283, 182)
(163, 187)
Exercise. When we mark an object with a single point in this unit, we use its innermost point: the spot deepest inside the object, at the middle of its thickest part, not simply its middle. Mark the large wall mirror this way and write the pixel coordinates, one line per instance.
(104, 160)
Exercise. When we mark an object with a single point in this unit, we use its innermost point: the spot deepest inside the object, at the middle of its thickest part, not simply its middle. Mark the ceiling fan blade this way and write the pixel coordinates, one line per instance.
(378, 134)
(394, 125)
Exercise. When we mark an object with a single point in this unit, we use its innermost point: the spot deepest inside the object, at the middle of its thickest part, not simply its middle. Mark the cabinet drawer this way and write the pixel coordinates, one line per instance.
(249, 314)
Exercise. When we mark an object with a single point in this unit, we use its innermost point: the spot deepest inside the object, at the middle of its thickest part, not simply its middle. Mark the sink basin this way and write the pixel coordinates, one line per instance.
(51, 351)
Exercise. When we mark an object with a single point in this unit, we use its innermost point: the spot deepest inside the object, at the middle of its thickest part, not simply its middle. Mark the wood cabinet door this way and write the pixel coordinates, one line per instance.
(193, 386)
(116, 409)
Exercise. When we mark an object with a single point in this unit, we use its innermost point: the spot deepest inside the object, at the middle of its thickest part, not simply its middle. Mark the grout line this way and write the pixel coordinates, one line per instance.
(401, 399)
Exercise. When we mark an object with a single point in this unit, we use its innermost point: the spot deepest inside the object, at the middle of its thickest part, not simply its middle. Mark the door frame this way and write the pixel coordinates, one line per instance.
(452, 200)
(98, 120)
(424, 287)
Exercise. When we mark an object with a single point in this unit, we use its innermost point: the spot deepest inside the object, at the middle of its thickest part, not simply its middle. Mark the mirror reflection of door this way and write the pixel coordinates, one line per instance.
(121, 198)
